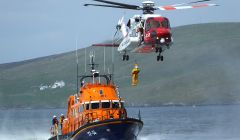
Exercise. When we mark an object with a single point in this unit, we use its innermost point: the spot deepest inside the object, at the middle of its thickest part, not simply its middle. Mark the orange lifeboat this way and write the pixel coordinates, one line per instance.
(97, 112)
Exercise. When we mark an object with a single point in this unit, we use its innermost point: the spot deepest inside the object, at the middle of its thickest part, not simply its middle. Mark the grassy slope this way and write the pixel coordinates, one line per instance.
(202, 67)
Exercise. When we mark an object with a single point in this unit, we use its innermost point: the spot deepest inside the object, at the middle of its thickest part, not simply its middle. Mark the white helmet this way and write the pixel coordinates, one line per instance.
(54, 116)
(136, 65)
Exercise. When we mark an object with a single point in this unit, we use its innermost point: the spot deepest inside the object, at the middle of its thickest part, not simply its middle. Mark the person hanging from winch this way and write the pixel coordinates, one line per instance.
(135, 72)
(55, 125)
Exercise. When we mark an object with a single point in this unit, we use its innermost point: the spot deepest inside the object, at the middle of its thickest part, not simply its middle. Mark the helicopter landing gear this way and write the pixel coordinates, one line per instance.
(168, 46)
(159, 50)
(125, 57)
(159, 57)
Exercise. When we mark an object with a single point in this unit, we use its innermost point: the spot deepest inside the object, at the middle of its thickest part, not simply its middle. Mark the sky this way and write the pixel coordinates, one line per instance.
(36, 28)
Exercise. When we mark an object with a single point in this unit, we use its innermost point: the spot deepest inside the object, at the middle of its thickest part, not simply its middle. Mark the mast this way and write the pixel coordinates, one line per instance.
(77, 66)
(93, 72)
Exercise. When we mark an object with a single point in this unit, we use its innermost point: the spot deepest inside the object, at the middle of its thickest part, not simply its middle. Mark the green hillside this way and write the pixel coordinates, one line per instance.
(202, 67)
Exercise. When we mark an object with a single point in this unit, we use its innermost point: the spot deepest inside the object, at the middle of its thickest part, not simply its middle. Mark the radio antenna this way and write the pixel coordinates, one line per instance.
(77, 63)
(104, 59)
(85, 51)
(113, 42)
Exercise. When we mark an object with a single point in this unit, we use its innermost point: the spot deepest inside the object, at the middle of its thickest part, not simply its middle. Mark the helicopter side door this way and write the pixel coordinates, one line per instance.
(131, 41)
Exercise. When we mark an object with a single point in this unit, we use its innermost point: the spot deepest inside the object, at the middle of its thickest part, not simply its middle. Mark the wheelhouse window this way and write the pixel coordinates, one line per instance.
(105, 104)
(95, 105)
(80, 108)
(122, 105)
(115, 105)
(74, 112)
(87, 106)
(100, 92)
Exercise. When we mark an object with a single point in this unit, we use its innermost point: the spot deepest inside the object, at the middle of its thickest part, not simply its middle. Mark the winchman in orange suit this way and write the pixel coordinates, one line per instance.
(135, 72)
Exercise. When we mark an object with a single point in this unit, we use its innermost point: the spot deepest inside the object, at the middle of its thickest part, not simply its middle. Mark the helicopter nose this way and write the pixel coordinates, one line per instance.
(164, 37)
(163, 33)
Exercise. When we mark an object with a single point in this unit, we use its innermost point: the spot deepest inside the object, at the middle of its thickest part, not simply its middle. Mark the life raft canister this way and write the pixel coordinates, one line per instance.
(135, 72)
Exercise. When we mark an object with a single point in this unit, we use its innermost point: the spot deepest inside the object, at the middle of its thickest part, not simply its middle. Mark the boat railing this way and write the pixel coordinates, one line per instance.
(95, 116)
(83, 77)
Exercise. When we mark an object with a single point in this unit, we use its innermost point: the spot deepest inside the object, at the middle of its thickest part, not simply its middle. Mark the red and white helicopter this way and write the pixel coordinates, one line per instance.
(148, 32)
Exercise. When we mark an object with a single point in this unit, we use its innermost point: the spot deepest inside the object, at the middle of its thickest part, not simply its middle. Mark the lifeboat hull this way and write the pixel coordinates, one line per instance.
(116, 129)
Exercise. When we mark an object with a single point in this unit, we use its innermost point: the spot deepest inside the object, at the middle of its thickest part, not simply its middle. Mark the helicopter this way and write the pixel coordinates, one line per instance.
(148, 32)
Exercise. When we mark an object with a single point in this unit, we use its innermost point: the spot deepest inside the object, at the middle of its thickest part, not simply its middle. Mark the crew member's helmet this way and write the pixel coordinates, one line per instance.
(136, 66)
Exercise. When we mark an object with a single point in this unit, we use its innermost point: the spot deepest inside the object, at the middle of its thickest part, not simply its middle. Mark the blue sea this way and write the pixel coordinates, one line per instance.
(160, 123)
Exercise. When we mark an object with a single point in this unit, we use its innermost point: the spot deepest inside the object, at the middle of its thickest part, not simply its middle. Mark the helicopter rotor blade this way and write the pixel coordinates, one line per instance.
(198, 1)
(117, 3)
(193, 2)
(184, 7)
(112, 6)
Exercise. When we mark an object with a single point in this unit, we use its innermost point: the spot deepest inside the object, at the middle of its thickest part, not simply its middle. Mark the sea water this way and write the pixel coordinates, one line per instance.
(160, 123)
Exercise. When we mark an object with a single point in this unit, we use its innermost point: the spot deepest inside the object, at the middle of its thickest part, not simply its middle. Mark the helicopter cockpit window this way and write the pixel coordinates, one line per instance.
(147, 27)
(165, 23)
(152, 24)
(129, 23)
(137, 19)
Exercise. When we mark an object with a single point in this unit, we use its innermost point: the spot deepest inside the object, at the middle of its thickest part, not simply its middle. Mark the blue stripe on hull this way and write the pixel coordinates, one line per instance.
(118, 130)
